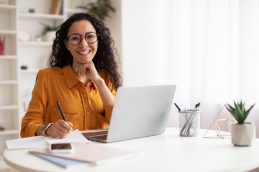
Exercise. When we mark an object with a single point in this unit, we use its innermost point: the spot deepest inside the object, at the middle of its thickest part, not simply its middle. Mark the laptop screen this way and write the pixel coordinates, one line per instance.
(140, 112)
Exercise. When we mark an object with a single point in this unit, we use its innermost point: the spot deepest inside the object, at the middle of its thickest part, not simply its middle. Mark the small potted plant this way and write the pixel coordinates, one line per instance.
(242, 133)
(49, 31)
(98, 8)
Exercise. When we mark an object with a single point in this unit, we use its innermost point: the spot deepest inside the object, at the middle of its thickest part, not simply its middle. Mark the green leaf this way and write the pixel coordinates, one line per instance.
(100, 8)
(239, 111)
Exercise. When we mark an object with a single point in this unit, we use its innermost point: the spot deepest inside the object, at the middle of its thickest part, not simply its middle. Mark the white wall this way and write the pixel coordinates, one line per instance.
(114, 24)
(146, 32)
(144, 42)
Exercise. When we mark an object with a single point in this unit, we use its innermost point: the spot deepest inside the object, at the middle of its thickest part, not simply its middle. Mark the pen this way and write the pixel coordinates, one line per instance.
(61, 111)
(177, 107)
(197, 105)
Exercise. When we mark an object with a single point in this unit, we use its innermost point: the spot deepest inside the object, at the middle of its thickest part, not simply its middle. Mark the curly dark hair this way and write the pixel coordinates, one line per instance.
(104, 58)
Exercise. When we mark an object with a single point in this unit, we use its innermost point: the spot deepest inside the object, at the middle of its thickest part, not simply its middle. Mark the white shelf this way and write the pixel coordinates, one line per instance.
(9, 107)
(8, 82)
(7, 7)
(8, 32)
(29, 71)
(35, 43)
(9, 132)
(42, 16)
(75, 10)
(8, 57)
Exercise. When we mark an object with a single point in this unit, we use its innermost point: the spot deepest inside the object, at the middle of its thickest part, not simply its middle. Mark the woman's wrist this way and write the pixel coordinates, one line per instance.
(42, 130)
(38, 131)
(99, 81)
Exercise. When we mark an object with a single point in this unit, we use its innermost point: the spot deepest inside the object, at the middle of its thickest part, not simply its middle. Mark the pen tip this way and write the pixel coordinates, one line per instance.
(177, 107)
(197, 105)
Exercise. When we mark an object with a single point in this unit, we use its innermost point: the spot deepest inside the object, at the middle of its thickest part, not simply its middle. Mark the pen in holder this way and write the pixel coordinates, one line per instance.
(189, 122)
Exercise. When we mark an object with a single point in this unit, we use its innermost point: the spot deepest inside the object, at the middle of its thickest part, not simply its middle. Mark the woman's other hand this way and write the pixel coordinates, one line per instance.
(88, 71)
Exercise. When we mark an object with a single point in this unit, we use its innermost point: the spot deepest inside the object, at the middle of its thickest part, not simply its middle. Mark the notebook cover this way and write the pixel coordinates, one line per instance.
(64, 163)
(93, 154)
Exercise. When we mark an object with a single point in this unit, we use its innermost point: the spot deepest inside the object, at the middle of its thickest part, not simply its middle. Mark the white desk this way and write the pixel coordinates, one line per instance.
(163, 153)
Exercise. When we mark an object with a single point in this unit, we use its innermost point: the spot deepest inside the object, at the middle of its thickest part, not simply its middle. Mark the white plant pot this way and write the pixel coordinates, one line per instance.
(242, 134)
(50, 36)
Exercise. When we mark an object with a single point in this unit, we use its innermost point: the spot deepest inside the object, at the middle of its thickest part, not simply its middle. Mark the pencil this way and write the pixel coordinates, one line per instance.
(61, 111)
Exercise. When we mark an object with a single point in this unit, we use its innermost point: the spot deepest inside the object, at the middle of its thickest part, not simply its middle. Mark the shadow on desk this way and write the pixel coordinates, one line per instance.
(7, 169)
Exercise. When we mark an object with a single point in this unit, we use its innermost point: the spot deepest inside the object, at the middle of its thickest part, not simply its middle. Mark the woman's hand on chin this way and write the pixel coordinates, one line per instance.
(80, 68)
(87, 70)
(91, 72)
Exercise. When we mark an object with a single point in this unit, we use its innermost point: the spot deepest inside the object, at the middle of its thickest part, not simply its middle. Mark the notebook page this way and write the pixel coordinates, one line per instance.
(25, 143)
(73, 137)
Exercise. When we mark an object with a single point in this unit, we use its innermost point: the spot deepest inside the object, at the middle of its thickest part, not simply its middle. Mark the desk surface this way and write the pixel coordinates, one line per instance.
(167, 152)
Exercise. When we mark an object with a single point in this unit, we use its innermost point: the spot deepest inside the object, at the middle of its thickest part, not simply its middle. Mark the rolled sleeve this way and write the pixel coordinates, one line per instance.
(34, 117)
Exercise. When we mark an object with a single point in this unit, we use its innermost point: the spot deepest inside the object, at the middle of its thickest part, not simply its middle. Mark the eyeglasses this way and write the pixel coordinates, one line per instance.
(76, 38)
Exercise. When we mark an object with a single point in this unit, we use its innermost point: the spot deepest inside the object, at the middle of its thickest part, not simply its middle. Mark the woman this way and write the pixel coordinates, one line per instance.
(83, 79)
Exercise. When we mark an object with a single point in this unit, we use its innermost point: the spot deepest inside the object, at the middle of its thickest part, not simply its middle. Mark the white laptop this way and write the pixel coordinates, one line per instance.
(137, 112)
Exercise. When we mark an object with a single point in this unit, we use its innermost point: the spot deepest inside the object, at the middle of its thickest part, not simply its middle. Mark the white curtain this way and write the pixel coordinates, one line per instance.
(213, 54)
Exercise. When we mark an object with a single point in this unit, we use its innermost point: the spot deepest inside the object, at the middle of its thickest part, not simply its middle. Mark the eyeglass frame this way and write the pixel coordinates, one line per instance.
(81, 37)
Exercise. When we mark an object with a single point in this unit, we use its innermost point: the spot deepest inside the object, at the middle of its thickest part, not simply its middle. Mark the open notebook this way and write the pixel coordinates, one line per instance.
(40, 141)
(92, 154)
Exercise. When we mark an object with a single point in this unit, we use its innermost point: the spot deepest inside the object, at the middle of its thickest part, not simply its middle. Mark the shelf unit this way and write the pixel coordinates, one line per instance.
(9, 108)
(33, 53)
(16, 84)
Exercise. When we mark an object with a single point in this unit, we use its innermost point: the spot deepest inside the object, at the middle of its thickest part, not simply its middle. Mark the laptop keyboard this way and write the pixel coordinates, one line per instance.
(99, 138)
(96, 136)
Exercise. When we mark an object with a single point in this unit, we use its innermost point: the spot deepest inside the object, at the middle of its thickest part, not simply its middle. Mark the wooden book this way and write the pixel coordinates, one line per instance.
(55, 6)
(4, 1)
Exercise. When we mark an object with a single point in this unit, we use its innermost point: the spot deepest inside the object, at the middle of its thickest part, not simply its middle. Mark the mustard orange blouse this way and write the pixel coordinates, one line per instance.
(81, 103)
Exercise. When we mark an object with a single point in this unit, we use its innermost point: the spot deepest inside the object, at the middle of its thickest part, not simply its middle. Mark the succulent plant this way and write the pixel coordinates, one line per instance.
(239, 111)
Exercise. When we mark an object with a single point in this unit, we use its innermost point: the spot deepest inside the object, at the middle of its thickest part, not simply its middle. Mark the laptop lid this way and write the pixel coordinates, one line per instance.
(140, 112)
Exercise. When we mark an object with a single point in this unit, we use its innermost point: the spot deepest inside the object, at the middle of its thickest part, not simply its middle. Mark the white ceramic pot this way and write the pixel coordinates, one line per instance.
(242, 134)
(49, 36)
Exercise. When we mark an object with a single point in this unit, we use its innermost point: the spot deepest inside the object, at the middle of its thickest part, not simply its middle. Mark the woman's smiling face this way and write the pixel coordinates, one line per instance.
(79, 35)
